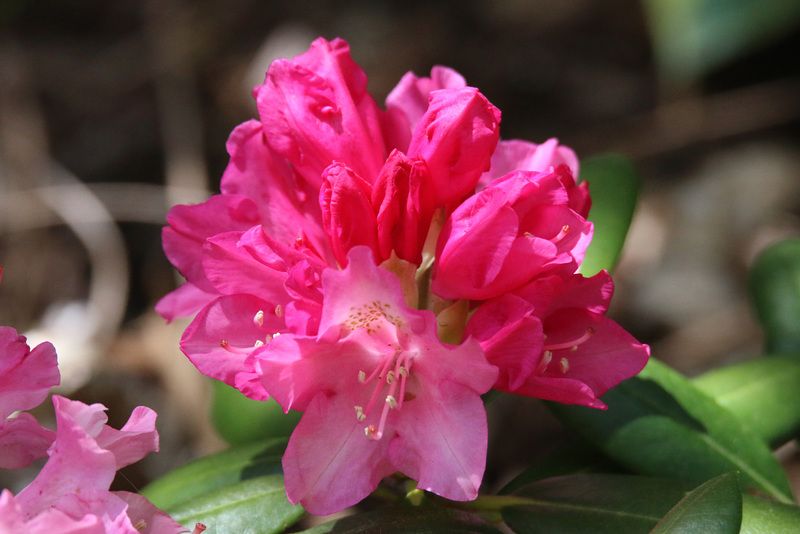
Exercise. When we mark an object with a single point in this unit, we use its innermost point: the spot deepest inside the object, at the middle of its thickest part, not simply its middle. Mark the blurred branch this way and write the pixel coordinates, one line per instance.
(701, 119)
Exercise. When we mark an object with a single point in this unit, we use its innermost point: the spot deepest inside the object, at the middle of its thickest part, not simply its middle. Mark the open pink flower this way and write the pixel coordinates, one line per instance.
(26, 377)
(380, 393)
(70, 494)
(518, 227)
(551, 340)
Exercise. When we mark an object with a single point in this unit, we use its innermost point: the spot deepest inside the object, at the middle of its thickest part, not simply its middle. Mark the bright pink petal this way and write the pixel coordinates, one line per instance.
(456, 137)
(403, 198)
(223, 334)
(288, 207)
(14, 520)
(316, 110)
(232, 268)
(500, 239)
(76, 464)
(23, 440)
(473, 246)
(26, 375)
(363, 296)
(511, 338)
(135, 440)
(441, 440)
(184, 301)
(347, 213)
(518, 155)
(329, 463)
(609, 355)
(147, 518)
(190, 226)
(408, 101)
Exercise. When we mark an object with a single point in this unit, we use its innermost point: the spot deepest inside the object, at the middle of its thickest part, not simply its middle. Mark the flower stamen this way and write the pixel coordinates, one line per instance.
(573, 344)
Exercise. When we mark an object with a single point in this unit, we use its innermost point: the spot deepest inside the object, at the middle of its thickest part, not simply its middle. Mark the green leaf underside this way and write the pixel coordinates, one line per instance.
(762, 393)
(775, 288)
(216, 471)
(614, 186)
(659, 424)
(254, 506)
(715, 507)
(407, 519)
(593, 503)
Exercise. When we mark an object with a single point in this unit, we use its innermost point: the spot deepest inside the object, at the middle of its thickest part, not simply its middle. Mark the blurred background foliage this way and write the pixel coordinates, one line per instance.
(111, 111)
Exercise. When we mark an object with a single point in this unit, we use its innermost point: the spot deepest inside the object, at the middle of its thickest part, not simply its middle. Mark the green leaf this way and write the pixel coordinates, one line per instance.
(596, 503)
(573, 458)
(659, 424)
(407, 519)
(254, 506)
(775, 288)
(614, 185)
(713, 508)
(760, 516)
(240, 420)
(216, 471)
(762, 393)
(693, 37)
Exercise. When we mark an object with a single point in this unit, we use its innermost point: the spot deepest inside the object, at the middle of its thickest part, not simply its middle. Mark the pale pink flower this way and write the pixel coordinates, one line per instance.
(70, 494)
(26, 377)
(380, 394)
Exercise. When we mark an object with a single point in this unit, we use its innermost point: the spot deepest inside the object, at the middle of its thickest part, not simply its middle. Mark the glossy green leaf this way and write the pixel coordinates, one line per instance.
(254, 506)
(713, 508)
(763, 393)
(614, 185)
(658, 423)
(593, 503)
(215, 471)
(240, 420)
(760, 516)
(775, 288)
(407, 520)
(573, 458)
(693, 37)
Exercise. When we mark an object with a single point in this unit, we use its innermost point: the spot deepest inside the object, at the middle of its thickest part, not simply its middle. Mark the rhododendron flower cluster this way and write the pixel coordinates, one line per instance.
(379, 270)
(71, 492)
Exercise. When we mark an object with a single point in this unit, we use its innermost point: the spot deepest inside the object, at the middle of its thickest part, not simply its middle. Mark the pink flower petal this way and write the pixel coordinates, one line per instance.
(26, 375)
(329, 463)
(347, 213)
(23, 440)
(518, 155)
(456, 137)
(316, 110)
(224, 333)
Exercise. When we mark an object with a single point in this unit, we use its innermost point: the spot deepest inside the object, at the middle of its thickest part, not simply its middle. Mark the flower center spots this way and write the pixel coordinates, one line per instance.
(370, 317)
(390, 377)
(562, 364)
(258, 321)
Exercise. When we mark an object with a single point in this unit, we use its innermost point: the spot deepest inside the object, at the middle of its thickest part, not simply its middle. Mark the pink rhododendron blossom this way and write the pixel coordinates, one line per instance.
(70, 494)
(26, 377)
(579, 354)
(380, 393)
(380, 270)
(520, 226)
